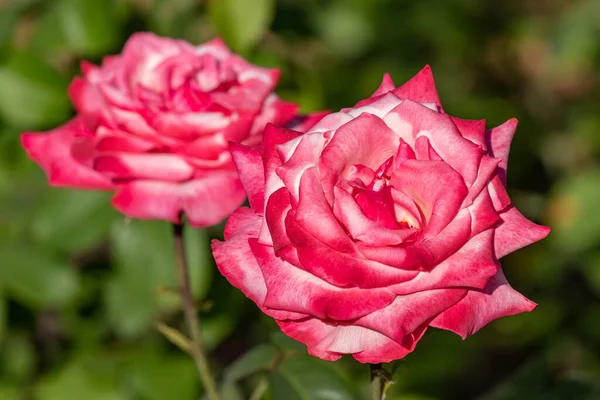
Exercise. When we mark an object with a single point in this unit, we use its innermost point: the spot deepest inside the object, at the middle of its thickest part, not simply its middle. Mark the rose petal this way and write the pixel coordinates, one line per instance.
(163, 167)
(251, 170)
(472, 266)
(205, 201)
(515, 232)
(237, 263)
(420, 88)
(474, 130)
(318, 298)
(53, 151)
(362, 228)
(339, 268)
(478, 308)
(331, 341)
(409, 312)
(420, 180)
(498, 141)
(387, 84)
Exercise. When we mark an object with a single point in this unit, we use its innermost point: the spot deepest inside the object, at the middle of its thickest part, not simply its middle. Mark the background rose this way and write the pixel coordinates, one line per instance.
(154, 124)
(380, 221)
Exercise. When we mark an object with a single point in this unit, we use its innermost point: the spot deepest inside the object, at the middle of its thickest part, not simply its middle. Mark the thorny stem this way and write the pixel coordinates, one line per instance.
(189, 308)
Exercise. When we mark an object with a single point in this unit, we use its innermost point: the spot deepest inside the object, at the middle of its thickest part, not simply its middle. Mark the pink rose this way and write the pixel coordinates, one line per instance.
(380, 221)
(154, 124)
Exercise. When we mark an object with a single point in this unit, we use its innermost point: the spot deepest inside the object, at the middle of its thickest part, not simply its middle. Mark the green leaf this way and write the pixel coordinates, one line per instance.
(3, 316)
(143, 254)
(33, 94)
(260, 358)
(18, 358)
(157, 376)
(241, 23)
(72, 220)
(306, 378)
(36, 278)
(86, 378)
(90, 26)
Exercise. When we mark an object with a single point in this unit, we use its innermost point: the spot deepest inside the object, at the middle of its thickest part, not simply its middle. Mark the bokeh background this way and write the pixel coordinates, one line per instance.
(82, 289)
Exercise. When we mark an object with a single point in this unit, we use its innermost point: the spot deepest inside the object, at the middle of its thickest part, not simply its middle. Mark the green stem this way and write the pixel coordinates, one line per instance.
(377, 382)
(189, 309)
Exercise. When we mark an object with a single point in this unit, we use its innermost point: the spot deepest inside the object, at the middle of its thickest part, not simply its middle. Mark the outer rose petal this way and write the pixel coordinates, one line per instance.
(205, 201)
(250, 167)
(478, 308)
(498, 142)
(54, 152)
(330, 341)
(237, 263)
(420, 88)
(318, 298)
(515, 232)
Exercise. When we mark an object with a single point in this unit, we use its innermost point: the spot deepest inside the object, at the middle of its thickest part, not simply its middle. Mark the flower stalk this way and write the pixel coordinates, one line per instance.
(381, 380)
(191, 316)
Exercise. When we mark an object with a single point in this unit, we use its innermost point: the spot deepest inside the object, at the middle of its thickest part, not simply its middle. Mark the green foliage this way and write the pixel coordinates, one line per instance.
(82, 288)
(32, 94)
(241, 23)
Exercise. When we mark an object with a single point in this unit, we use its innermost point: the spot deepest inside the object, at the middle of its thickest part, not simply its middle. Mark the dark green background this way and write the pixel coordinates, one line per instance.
(81, 287)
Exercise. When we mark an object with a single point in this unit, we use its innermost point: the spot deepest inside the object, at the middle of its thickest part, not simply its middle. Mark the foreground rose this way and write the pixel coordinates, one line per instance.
(154, 124)
(379, 222)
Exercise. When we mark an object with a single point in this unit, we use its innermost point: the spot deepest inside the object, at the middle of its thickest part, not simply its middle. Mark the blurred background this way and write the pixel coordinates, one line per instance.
(81, 288)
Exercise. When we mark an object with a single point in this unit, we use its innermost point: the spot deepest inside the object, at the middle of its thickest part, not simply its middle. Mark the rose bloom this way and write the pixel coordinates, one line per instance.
(379, 222)
(153, 124)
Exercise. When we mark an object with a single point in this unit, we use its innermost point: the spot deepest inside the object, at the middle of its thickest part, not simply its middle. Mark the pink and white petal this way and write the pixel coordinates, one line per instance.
(273, 136)
(472, 266)
(409, 312)
(236, 262)
(487, 169)
(515, 231)
(420, 180)
(205, 201)
(190, 126)
(362, 228)
(483, 213)
(338, 268)
(498, 193)
(234, 257)
(274, 111)
(387, 85)
(209, 147)
(155, 166)
(89, 102)
(479, 308)
(411, 120)
(331, 122)
(379, 106)
(315, 215)
(365, 140)
(248, 162)
(330, 341)
(304, 155)
(420, 88)
(114, 140)
(292, 289)
(278, 206)
(439, 247)
(472, 129)
(64, 155)
(498, 141)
